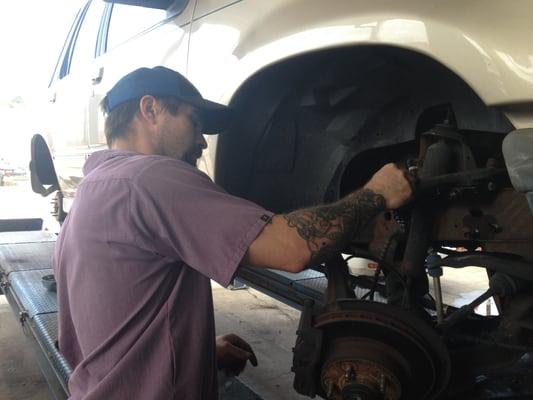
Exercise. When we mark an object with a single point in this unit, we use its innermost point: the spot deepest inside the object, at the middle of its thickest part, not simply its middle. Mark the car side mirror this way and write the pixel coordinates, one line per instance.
(42, 172)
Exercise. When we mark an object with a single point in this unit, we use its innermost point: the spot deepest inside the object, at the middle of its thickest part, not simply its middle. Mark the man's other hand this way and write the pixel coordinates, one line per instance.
(232, 354)
(394, 184)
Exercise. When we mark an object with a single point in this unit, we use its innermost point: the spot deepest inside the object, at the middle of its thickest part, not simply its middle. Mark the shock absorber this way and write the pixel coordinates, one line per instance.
(437, 161)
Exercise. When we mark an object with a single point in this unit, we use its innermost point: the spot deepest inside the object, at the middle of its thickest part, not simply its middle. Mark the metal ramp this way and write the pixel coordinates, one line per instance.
(289, 288)
(25, 257)
(293, 288)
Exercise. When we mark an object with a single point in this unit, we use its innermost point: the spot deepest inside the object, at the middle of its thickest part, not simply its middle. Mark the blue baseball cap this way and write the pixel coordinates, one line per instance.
(164, 82)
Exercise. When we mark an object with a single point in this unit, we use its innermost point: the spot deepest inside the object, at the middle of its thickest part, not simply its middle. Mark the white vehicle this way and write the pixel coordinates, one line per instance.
(325, 94)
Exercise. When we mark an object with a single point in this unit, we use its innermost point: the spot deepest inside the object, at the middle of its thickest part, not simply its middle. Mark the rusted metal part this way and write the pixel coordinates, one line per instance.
(307, 352)
(508, 383)
(500, 222)
(487, 178)
(338, 282)
(383, 340)
(349, 371)
(376, 351)
(351, 349)
(516, 322)
(438, 158)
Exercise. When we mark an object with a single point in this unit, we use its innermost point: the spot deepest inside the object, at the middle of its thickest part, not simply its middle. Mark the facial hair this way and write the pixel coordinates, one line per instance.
(192, 155)
(170, 146)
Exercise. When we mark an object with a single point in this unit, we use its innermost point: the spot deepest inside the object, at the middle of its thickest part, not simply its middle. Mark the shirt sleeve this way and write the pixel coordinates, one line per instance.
(184, 215)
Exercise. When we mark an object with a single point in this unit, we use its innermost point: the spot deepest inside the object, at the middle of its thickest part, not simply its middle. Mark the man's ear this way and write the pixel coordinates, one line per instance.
(149, 108)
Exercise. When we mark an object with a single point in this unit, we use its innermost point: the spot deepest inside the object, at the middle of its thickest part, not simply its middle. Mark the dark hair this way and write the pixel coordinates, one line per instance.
(119, 119)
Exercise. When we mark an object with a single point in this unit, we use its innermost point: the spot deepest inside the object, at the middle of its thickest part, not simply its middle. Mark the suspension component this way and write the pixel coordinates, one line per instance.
(350, 349)
(501, 285)
(435, 272)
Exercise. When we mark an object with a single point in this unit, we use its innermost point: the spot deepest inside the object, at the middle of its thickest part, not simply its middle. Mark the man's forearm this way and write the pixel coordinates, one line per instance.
(328, 229)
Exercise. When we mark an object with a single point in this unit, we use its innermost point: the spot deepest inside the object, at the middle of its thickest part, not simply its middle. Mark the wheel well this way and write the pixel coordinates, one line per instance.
(301, 122)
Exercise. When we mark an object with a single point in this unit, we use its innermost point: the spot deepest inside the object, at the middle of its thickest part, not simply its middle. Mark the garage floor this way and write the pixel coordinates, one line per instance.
(272, 337)
(20, 377)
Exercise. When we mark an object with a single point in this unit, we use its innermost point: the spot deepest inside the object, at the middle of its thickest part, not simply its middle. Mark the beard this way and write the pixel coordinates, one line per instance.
(170, 146)
(191, 157)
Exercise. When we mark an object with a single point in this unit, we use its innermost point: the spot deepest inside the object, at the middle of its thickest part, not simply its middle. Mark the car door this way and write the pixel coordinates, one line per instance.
(68, 123)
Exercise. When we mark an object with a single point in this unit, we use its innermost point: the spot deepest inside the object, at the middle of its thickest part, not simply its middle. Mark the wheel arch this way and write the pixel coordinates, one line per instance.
(390, 89)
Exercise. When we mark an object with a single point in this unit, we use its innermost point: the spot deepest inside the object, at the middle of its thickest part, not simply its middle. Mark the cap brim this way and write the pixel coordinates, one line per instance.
(215, 117)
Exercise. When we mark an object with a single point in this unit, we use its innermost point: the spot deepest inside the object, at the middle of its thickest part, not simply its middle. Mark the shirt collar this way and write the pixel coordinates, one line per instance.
(99, 157)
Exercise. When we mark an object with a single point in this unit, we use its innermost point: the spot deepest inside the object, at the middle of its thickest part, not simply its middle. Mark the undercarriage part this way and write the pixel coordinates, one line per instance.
(500, 285)
(382, 350)
(506, 263)
(438, 152)
(437, 162)
(349, 372)
(351, 349)
(58, 211)
(435, 272)
(511, 383)
(323, 136)
(475, 178)
(464, 311)
(518, 152)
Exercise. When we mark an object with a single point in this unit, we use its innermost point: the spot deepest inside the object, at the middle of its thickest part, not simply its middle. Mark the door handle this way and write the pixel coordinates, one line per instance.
(98, 77)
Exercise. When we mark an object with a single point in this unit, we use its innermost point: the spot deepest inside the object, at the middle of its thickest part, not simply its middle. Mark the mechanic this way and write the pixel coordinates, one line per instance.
(148, 230)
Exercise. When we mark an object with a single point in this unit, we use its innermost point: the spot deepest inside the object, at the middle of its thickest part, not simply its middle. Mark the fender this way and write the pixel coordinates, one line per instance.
(483, 42)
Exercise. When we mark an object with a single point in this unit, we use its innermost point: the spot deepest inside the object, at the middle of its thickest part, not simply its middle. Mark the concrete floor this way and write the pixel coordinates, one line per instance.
(20, 377)
(271, 335)
(270, 328)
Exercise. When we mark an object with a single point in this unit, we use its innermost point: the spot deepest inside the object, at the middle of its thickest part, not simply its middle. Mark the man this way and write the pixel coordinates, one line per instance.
(146, 233)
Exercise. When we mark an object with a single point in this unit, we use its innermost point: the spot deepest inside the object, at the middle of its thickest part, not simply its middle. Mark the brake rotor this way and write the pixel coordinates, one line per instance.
(374, 351)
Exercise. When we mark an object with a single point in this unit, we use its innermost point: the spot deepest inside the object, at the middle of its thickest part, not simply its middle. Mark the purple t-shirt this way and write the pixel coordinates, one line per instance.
(133, 264)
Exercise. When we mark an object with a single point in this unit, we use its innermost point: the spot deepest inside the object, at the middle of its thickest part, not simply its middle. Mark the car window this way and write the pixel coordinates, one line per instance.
(85, 46)
(127, 21)
(61, 68)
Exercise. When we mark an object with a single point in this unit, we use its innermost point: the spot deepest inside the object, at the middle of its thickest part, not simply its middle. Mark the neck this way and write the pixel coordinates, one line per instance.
(133, 142)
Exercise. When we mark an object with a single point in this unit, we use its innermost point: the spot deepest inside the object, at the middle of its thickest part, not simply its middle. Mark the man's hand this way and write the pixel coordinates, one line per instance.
(232, 354)
(394, 184)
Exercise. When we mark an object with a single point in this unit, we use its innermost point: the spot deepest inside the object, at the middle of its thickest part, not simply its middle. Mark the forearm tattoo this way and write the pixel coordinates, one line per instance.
(328, 229)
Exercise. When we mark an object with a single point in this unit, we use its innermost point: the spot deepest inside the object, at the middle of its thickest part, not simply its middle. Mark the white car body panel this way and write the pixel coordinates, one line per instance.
(485, 42)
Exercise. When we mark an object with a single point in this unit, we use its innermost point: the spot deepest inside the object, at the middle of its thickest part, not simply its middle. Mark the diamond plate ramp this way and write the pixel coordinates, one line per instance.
(313, 287)
(26, 256)
(45, 328)
(305, 274)
(30, 292)
(26, 237)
